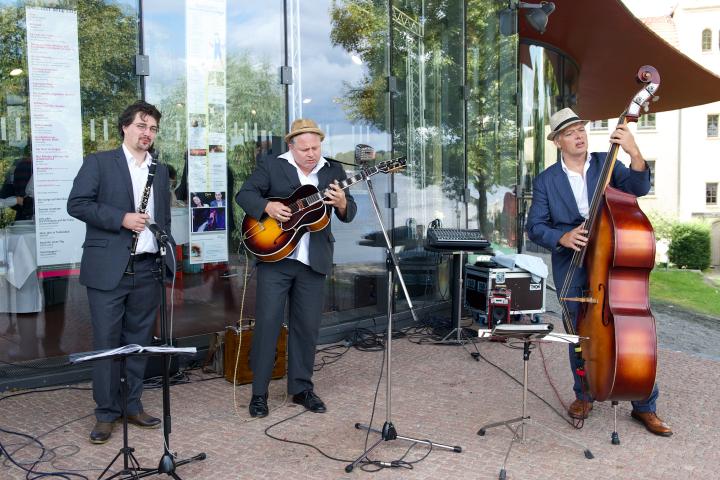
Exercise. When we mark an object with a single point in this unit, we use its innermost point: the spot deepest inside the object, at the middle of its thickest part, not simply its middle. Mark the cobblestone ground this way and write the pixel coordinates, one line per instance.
(439, 393)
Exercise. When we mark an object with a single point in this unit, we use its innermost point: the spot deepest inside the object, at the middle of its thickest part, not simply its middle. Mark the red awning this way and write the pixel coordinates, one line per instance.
(609, 45)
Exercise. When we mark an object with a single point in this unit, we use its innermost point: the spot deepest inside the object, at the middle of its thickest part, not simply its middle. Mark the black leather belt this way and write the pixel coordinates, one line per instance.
(139, 257)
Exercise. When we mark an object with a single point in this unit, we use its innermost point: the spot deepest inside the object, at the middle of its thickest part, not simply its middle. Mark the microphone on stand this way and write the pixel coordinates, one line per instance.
(363, 154)
(158, 232)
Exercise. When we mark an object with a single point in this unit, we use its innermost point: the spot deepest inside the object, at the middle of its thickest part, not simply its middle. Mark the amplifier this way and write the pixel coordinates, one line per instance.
(527, 296)
(499, 304)
(230, 351)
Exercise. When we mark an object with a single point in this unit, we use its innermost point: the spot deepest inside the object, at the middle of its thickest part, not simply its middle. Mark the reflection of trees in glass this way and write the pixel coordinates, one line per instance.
(254, 100)
(107, 40)
(492, 113)
(360, 27)
(427, 65)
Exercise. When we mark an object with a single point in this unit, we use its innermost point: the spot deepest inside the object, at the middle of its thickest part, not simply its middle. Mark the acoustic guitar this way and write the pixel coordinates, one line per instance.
(271, 240)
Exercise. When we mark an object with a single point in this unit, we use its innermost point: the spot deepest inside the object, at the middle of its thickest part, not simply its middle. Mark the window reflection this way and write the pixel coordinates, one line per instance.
(45, 310)
(492, 125)
(549, 81)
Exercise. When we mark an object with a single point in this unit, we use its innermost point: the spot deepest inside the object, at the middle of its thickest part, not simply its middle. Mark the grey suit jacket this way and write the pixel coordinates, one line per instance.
(101, 195)
(276, 177)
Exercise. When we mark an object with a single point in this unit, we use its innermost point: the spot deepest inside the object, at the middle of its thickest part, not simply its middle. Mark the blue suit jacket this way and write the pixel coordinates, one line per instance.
(554, 211)
(101, 195)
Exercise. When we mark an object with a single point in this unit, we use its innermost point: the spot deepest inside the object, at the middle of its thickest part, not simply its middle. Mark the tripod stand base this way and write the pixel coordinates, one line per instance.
(389, 433)
(519, 436)
(166, 466)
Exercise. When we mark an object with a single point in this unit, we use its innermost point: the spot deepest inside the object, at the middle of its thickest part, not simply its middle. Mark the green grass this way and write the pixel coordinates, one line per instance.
(685, 289)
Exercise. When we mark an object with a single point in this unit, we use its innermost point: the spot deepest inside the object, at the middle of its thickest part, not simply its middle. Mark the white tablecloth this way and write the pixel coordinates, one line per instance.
(19, 285)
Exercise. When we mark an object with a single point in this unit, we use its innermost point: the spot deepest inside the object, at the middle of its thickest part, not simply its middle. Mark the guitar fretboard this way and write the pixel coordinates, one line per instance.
(319, 197)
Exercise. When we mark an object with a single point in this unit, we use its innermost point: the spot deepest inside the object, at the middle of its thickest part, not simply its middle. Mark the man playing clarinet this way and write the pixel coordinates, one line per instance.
(116, 194)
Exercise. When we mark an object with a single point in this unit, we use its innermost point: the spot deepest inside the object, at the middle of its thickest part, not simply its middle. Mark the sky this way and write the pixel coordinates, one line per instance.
(650, 8)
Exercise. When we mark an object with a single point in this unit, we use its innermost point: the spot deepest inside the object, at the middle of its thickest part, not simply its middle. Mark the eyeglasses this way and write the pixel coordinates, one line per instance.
(143, 127)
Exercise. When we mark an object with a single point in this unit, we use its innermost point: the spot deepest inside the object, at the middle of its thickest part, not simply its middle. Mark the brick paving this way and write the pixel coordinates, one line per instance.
(439, 393)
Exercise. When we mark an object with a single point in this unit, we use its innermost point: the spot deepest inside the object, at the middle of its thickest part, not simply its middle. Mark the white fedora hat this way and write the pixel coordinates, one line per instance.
(562, 119)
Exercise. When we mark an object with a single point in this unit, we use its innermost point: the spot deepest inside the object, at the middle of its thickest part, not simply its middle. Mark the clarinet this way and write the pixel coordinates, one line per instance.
(130, 270)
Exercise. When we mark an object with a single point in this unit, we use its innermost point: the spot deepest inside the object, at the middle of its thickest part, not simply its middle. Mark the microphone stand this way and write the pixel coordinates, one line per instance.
(167, 464)
(388, 431)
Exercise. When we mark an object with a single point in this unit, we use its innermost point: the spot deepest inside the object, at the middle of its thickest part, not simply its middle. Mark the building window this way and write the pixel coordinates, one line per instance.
(599, 125)
(647, 122)
(711, 193)
(712, 125)
(706, 40)
(651, 166)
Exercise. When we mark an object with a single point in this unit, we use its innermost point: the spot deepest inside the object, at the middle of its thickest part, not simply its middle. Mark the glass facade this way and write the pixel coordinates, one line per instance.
(548, 83)
(430, 80)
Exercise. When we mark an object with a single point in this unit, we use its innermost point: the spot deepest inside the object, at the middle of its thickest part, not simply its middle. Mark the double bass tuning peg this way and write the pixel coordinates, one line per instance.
(646, 105)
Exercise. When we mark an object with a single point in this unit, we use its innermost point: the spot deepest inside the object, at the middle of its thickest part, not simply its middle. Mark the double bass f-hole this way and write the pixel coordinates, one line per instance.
(603, 291)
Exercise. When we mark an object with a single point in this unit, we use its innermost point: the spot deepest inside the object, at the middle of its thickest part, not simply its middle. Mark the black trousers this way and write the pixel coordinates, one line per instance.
(123, 316)
(278, 283)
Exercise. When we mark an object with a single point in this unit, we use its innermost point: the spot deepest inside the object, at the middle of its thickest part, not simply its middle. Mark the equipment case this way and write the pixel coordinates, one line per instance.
(527, 296)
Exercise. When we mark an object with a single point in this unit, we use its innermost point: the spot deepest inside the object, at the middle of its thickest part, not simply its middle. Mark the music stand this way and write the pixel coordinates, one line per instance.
(167, 464)
(388, 431)
(528, 334)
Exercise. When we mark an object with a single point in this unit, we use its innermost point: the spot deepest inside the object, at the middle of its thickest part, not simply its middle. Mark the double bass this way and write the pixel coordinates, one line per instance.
(617, 329)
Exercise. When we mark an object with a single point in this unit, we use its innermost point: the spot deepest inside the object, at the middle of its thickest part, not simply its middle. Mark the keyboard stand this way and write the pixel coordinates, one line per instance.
(456, 335)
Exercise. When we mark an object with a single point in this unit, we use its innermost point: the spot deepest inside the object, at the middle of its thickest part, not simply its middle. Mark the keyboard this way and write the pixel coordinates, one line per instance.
(456, 239)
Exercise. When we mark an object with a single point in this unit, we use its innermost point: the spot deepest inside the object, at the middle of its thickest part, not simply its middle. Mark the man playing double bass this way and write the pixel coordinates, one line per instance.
(560, 206)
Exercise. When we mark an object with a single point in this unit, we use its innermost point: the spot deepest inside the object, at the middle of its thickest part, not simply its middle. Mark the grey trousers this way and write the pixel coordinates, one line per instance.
(123, 316)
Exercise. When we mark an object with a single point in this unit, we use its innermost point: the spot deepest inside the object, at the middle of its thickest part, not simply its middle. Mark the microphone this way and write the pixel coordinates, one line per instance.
(364, 153)
(158, 232)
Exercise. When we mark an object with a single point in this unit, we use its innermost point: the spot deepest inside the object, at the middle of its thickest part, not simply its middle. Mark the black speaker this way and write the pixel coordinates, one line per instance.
(499, 307)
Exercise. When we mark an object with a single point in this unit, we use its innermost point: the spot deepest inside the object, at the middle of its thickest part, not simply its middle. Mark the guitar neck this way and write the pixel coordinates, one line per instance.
(348, 182)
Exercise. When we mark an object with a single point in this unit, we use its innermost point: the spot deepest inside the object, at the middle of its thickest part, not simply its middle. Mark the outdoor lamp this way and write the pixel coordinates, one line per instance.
(536, 15)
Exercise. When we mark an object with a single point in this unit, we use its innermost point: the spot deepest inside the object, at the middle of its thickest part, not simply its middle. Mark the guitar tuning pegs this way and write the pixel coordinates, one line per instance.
(646, 107)
(656, 98)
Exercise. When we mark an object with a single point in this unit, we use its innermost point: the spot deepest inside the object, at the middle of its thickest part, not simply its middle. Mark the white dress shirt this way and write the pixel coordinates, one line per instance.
(578, 183)
(139, 175)
(302, 252)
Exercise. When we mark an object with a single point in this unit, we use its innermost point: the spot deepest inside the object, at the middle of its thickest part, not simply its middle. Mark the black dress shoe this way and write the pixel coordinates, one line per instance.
(258, 406)
(101, 432)
(144, 420)
(309, 400)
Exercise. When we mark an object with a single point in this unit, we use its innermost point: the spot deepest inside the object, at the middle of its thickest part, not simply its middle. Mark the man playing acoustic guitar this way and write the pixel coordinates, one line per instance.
(300, 276)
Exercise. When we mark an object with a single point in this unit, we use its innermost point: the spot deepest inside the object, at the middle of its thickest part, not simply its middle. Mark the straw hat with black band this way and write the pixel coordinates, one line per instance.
(563, 119)
(303, 125)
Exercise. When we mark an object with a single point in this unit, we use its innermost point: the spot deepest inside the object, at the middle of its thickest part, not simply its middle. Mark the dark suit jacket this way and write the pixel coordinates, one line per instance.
(276, 177)
(554, 211)
(101, 195)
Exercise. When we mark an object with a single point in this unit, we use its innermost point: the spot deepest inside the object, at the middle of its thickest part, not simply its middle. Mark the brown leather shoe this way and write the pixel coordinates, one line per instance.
(652, 423)
(101, 432)
(144, 420)
(580, 409)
